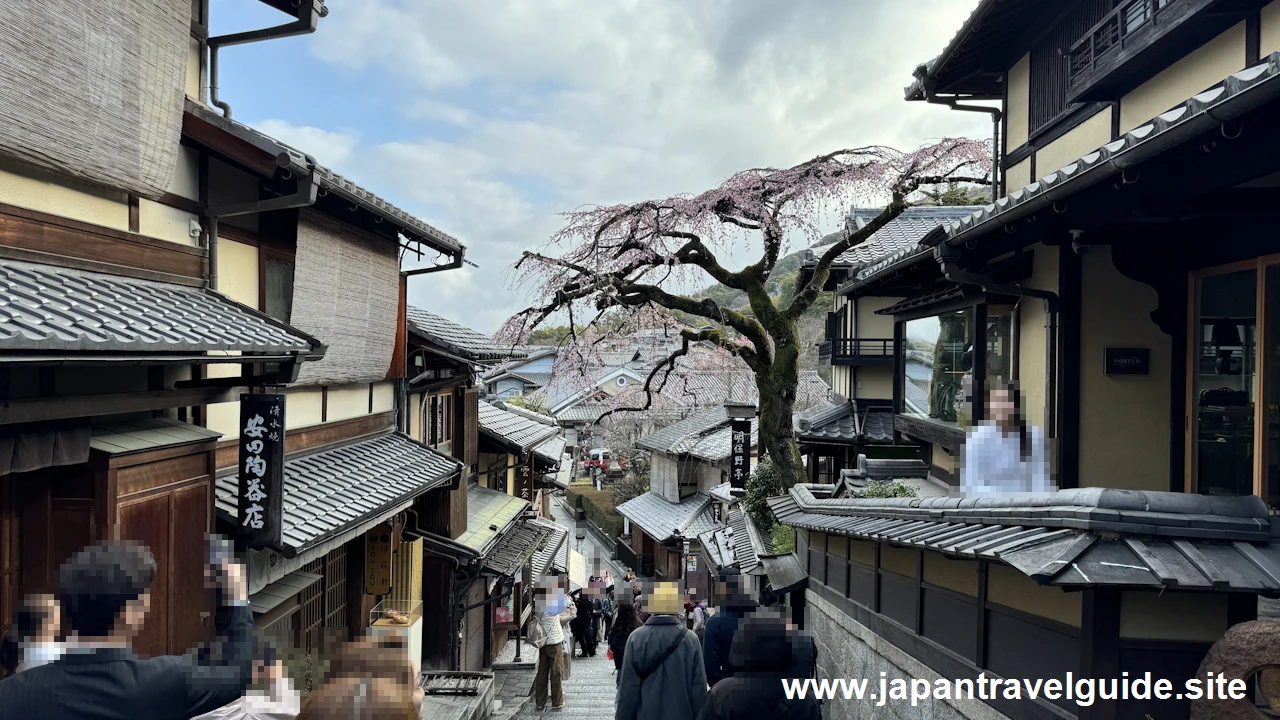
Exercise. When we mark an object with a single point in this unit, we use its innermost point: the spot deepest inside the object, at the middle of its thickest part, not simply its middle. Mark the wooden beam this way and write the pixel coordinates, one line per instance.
(229, 145)
(40, 237)
(61, 408)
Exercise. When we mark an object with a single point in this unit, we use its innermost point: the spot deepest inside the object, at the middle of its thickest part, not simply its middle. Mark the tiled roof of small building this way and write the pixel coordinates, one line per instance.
(52, 309)
(489, 512)
(517, 430)
(458, 339)
(828, 422)
(329, 491)
(544, 557)
(902, 233)
(1075, 538)
(515, 547)
(660, 518)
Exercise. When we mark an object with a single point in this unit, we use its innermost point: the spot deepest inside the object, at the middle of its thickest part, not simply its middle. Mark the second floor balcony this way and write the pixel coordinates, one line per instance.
(1136, 38)
(856, 351)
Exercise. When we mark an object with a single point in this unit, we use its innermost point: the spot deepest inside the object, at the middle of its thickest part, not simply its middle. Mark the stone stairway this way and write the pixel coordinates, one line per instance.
(588, 694)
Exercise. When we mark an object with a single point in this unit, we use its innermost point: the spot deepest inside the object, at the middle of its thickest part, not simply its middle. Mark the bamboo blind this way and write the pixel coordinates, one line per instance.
(406, 574)
(95, 89)
(346, 292)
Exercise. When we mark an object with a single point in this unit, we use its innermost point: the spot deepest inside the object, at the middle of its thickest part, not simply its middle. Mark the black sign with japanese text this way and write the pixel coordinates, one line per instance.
(524, 478)
(740, 460)
(261, 490)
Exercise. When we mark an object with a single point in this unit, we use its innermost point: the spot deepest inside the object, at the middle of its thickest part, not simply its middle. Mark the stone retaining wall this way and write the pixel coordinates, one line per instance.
(848, 649)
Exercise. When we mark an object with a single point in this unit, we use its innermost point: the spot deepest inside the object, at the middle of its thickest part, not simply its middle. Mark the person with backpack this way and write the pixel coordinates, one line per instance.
(663, 677)
(547, 635)
(605, 607)
(763, 654)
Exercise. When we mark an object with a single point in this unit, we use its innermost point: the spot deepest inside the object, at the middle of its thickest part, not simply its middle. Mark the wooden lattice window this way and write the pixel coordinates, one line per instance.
(335, 591)
(311, 614)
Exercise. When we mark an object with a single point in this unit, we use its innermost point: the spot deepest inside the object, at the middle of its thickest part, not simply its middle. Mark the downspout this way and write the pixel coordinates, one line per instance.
(308, 17)
(927, 83)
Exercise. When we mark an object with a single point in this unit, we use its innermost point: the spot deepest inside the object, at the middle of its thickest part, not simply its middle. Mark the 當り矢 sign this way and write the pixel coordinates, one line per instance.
(261, 490)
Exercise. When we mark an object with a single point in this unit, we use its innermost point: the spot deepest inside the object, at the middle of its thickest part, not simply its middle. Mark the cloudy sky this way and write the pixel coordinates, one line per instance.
(486, 118)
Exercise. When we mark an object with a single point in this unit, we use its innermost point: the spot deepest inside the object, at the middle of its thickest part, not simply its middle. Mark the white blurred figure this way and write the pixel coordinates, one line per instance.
(278, 701)
(1004, 454)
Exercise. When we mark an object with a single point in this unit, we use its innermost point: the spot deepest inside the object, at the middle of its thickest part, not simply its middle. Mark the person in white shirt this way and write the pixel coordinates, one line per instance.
(1004, 454)
(32, 640)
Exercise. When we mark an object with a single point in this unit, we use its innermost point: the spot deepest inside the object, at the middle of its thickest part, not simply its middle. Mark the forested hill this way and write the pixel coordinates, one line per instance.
(782, 287)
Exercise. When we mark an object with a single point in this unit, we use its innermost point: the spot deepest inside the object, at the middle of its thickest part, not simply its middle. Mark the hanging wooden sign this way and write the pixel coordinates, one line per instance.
(260, 501)
(740, 469)
(524, 478)
(377, 561)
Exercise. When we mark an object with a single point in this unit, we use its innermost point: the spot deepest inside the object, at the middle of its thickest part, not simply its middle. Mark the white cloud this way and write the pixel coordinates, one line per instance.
(558, 103)
(333, 150)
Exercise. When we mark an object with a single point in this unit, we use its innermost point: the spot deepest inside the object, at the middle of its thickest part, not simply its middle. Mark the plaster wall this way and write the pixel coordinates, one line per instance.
(1196, 72)
(1018, 111)
(1124, 419)
(48, 192)
(1079, 141)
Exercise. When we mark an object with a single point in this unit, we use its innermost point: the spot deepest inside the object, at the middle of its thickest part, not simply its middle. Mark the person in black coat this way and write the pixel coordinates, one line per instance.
(718, 637)
(104, 591)
(581, 625)
(763, 654)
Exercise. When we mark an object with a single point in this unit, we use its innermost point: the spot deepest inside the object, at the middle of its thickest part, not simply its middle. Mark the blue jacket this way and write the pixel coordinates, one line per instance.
(718, 638)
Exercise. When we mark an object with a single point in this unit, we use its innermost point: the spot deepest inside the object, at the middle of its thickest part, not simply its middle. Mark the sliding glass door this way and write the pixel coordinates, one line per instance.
(1233, 423)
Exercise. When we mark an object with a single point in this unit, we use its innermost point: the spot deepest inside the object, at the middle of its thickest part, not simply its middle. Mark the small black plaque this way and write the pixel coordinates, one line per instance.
(1128, 361)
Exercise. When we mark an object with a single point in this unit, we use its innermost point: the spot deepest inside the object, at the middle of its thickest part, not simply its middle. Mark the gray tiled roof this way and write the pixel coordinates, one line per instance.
(550, 450)
(1234, 96)
(512, 428)
(736, 543)
(331, 490)
(877, 425)
(672, 438)
(489, 512)
(902, 233)
(717, 445)
(50, 309)
(544, 556)
(330, 181)
(829, 422)
(659, 518)
(1076, 538)
(516, 547)
(458, 339)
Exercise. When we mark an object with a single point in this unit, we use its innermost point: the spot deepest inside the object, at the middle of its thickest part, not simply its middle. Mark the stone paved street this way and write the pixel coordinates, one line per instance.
(588, 695)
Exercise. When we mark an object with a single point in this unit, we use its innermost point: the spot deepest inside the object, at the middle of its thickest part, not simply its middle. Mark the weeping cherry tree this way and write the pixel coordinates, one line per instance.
(623, 265)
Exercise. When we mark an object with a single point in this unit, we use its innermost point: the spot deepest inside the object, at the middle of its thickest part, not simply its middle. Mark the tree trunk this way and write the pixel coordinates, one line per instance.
(778, 386)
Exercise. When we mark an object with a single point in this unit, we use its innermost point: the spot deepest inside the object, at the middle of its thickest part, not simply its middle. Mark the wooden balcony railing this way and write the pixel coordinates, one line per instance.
(627, 555)
(857, 351)
(1121, 35)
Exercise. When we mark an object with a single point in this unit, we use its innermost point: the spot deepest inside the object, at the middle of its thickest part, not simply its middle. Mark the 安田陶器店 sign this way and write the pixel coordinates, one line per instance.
(261, 490)
(740, 459)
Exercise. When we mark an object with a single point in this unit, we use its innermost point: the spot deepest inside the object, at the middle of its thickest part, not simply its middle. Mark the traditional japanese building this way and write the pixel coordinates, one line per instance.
(1123, 280)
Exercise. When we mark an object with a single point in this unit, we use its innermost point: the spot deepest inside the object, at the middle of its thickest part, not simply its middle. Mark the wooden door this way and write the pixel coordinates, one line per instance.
(150, 522)
(191, 618)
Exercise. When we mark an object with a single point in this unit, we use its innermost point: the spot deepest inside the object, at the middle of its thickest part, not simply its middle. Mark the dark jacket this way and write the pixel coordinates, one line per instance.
(718, 637)
(677, 687)
(115, 684)
(763, 654)
(618, 644)
(581, 624)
